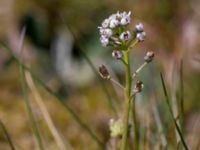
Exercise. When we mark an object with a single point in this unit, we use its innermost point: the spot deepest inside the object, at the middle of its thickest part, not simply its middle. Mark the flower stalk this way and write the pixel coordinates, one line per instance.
(127, 94)
(114, 33)
(134, 123)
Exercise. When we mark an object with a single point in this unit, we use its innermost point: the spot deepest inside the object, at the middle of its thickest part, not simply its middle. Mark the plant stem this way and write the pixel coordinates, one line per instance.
(116, 83)
(134, 124)
(139, 69)
(127, 92)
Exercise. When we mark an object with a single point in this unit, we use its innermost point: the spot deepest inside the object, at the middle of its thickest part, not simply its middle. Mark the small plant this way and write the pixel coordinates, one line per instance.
(114, 33)
(124, 130)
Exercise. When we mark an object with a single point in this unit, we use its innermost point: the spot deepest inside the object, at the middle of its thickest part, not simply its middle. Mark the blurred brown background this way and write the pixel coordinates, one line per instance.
(59, 32)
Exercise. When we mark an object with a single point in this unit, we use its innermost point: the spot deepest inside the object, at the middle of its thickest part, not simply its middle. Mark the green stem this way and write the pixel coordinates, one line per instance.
(127, 92)
(139, 69)
(134, 124)
(116, 83)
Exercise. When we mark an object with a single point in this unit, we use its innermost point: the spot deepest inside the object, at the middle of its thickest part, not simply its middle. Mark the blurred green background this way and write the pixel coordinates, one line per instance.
(60, 37)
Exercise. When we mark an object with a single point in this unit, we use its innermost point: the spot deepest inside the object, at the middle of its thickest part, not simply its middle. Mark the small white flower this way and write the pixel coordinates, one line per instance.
(105, 23)
(114, 23)
(141, 36)
(125, 36)
(106, 32)
(113, 16)
(139, 27)
(117, 54)
(118, 15)
(125, 18)
(104, 41)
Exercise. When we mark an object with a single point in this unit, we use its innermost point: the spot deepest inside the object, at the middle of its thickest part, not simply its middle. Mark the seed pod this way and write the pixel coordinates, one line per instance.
(149, 56)
(138, 87)
(103, 71)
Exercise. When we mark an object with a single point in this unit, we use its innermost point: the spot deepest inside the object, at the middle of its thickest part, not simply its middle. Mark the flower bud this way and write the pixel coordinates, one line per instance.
(125, 36)
(114, 23)
(149, 56)
(103, 71)
(139, 28)
(105, 23)
(125, 18)
(141, 36)
(106, 32)
(104, 41)
(138, 87)
(117, 54)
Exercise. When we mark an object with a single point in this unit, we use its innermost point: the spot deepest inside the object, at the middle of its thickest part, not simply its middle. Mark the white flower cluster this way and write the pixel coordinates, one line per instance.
(108, 26)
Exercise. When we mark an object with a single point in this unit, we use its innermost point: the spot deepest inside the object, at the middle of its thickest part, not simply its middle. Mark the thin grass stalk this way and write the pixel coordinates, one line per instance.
(159, 126)
(175, 103)
(29, 110)
(148, 141)
(181, 95)
(171, 113)
(8, 138)
(142, 135)
(178, 147)
(127, 92)
(45, 114)
(67, 108)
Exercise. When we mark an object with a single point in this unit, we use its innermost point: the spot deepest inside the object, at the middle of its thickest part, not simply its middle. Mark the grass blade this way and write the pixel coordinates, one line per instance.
(159, 126)
(29, 109)
(12, 147)
(46, 114)
(181, 95)
(171, 113)
(67, 108)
